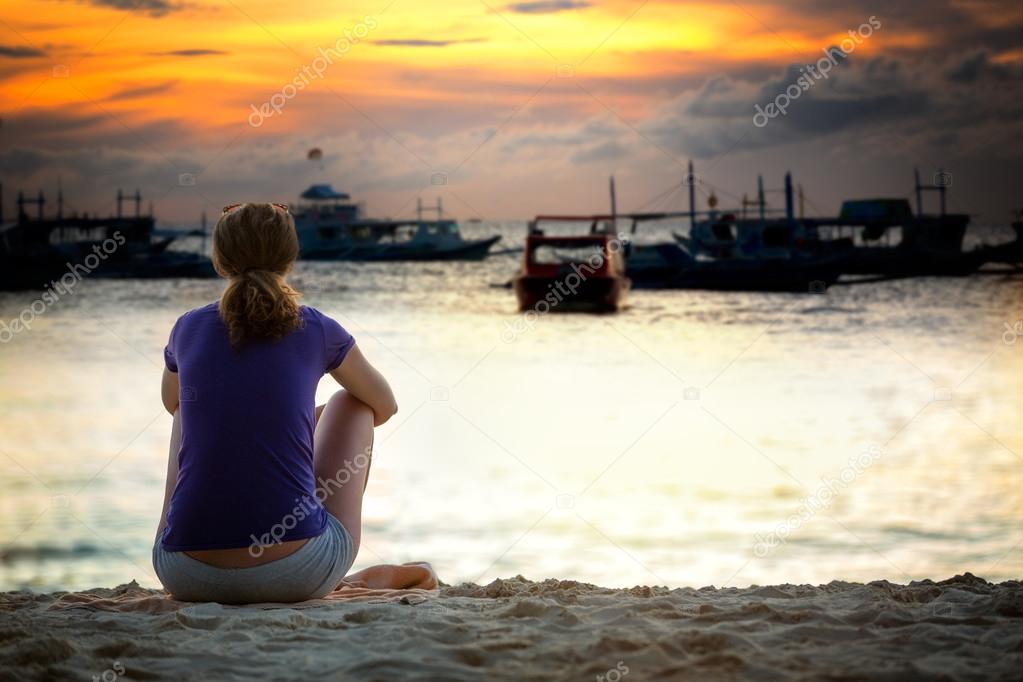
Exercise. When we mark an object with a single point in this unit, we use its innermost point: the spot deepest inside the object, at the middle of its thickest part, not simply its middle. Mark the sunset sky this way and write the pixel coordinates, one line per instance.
(517, 108)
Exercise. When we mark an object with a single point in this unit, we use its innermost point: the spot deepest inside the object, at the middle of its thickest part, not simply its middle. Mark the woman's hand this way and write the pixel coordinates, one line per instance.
(364, 382)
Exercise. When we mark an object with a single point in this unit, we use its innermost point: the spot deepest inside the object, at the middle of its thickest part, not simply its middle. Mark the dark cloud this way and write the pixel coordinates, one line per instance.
(824, 115)
(547, 6)
(155, 8)
(20, 52)
(67, 129)
(188, 53)
(946, 27)
(142, 91)
(38, 125)
(857, 101)
(417, 42)
(978, 67)
(83, 162)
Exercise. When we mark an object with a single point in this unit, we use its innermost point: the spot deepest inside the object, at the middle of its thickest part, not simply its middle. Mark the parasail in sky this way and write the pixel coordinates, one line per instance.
(315, 154)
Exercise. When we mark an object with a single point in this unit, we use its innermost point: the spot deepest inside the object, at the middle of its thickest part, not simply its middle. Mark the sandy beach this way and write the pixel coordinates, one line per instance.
(961, 628)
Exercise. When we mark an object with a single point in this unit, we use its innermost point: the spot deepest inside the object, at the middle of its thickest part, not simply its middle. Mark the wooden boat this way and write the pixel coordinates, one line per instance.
(575, 273)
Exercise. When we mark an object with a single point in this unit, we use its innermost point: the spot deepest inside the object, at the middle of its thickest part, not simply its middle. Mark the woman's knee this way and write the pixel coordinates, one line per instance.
(345, 401)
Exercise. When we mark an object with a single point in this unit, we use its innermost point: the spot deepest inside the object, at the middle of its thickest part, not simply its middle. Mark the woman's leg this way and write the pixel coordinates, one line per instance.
(342, 451)
(344, 441)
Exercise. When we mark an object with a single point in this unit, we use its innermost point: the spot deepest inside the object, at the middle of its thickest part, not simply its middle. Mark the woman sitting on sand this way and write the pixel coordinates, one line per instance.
(263, 500)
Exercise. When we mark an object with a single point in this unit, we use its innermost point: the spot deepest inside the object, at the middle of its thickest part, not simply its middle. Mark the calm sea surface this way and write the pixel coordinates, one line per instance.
(696, 438)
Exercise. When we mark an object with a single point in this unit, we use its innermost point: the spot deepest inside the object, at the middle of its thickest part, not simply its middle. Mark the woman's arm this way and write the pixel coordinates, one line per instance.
(364, 382)
(169, 390)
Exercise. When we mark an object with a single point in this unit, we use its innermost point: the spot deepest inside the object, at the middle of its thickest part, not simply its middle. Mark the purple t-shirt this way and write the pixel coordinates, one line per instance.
(245, 468)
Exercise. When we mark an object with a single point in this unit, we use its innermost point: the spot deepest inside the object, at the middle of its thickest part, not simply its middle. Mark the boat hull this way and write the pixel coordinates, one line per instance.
(1011, 253)
(595, 294)
(167, 265)
(26, 274)
(469, 251)
(666, 266)
(743, 276)
(896, 262)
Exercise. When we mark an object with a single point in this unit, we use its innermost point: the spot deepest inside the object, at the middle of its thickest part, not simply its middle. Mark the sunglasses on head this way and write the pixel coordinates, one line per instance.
(231, 207)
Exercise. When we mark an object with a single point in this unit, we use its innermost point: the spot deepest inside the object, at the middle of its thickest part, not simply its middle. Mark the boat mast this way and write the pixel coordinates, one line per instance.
(692, 196)
(919, 198)
(760, 195)
(788, 196)
(941, 190)
(614, 204)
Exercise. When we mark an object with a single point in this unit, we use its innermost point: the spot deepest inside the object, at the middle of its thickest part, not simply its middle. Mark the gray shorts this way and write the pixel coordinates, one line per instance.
(310, 573)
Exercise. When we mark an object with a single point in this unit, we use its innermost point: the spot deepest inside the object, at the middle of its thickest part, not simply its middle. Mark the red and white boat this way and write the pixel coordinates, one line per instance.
(572, 273)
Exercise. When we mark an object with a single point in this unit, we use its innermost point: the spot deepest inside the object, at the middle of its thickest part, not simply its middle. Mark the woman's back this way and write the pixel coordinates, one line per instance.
(246, 458)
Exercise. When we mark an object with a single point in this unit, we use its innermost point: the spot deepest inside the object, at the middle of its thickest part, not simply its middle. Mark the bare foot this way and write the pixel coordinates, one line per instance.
(415, 575)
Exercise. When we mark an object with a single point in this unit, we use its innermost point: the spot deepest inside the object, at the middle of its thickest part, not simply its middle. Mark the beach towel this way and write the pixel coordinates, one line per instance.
(411, 583)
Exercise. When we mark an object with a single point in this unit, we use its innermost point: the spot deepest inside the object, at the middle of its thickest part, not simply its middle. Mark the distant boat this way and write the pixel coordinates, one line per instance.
(577, 273)
(868, 237)
(727, 237)
(37, 250)
(423, 241)
(727, 234)
(668, 266)
(165, 265)
(927, 245)
(331, 227)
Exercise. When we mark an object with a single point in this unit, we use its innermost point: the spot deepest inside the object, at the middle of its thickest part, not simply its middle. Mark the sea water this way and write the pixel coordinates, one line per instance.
(694, 438)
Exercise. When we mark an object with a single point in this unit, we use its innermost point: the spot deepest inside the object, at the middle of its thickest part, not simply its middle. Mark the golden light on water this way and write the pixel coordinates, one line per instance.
(652, 447)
